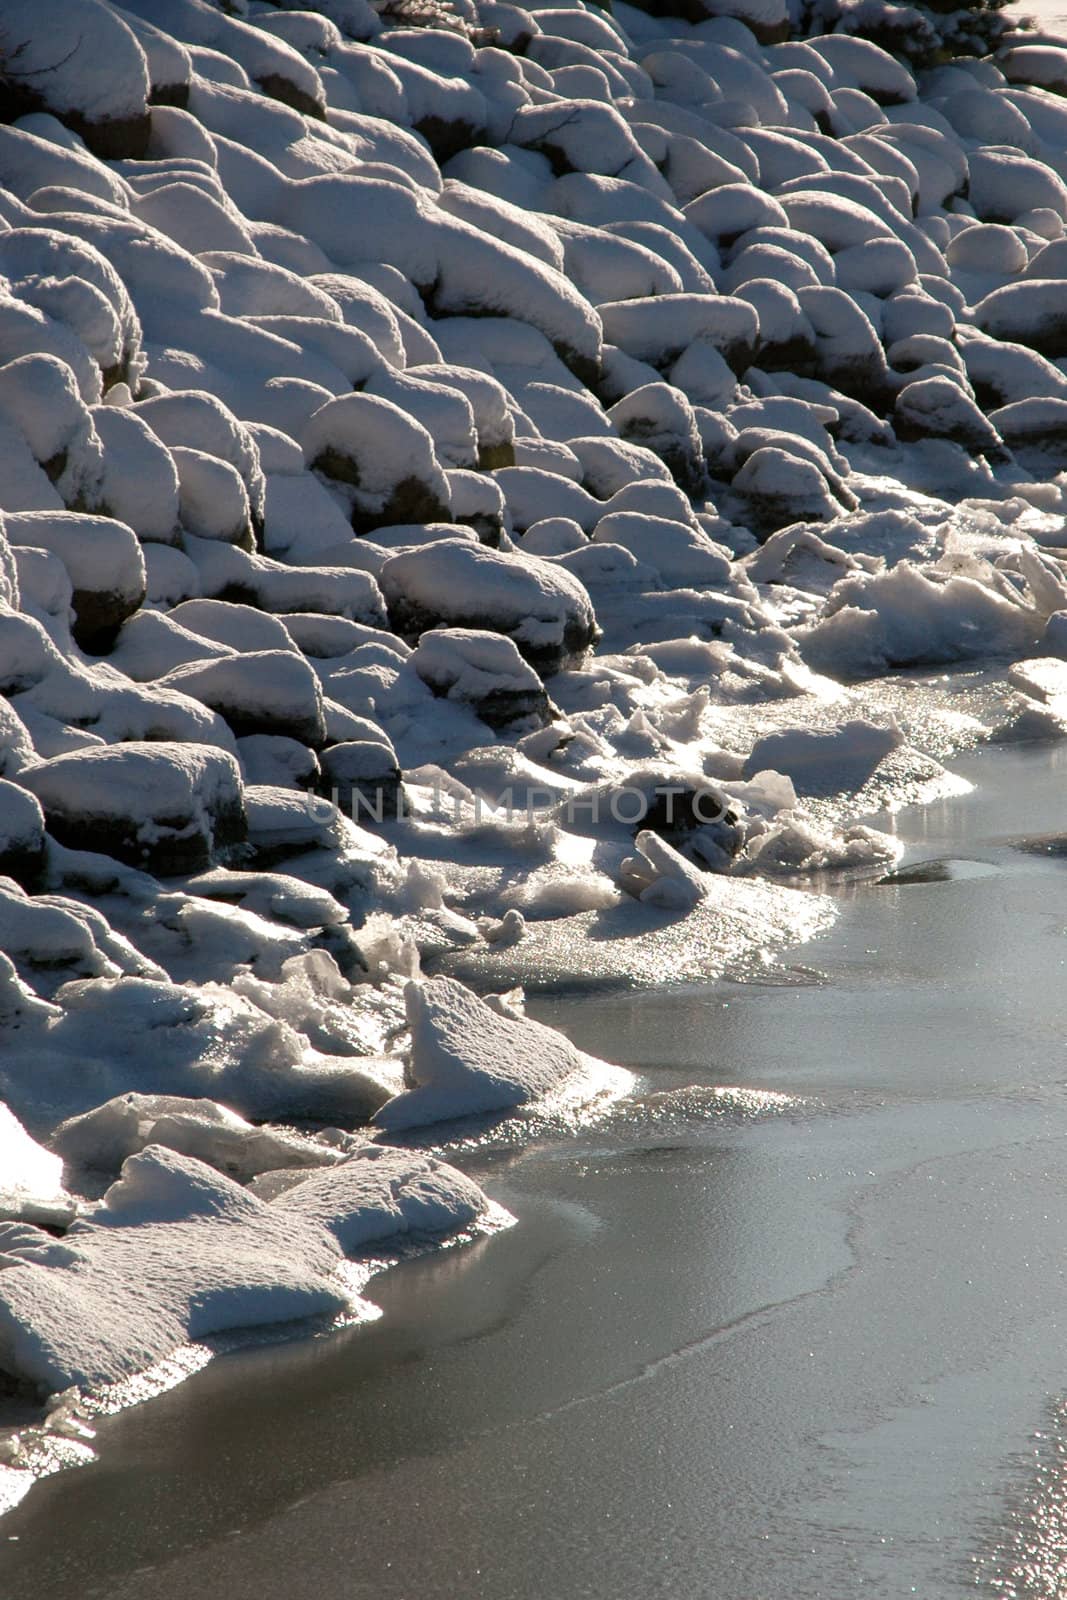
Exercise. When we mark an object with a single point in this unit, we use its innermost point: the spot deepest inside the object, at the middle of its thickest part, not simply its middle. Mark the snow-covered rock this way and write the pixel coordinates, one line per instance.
(157, 805)
(104, 562)
(22, 836)
(383, 457)
(86, 68)
(484, 671)
(453, 584)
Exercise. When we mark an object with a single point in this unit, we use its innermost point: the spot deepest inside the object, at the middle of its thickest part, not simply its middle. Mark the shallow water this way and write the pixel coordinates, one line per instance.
(803, 1339)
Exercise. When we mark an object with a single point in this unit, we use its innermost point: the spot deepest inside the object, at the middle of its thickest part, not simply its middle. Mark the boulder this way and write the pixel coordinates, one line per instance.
(163, 807)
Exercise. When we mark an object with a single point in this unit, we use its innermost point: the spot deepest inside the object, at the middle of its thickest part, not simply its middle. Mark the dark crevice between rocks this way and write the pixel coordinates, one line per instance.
(112, 138)
(98, 618)
(290, 94)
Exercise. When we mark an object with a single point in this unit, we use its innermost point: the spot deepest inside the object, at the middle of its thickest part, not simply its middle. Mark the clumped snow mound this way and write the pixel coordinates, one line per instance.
(177, 1252)
(467, 1059)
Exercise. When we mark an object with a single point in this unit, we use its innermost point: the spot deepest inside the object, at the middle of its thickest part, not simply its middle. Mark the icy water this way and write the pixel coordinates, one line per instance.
(792, 1325)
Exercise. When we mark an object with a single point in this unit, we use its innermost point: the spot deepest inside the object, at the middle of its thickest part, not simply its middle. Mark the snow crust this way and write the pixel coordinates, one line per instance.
(176, 1252)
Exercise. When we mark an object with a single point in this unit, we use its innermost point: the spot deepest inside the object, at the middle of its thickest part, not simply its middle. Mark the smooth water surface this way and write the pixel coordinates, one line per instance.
(804, 1340)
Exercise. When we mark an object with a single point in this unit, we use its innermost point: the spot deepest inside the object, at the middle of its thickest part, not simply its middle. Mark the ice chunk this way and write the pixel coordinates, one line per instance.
(657, 875)
(381, 1194)
(825, 761)
(467, 1059)
(102, 1139)
(176, 1252)
(31, 1178)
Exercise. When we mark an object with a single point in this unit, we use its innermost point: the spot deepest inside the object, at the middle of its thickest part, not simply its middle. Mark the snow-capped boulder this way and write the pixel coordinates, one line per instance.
(1031, 312)
(103, 559)
(786, 337)
(271, 64)
(274, 761)
(453, 584)
(992, 248)
(196, 420)
(383, 457)
(161, 806)
(576, 136)
(445, 413)
(660, 418)
(230, 626)
(213, 503)
(858, 62)
(1001, 372)
(848, 351)
(937, 408)
(725, 213)
(683, 556)
(1037, 426)
(482, 670)
(778, 487)
(660, 329)
(1004, 184)
(361, 775)
(39, 395)
(85, 67)
(22, 841)
(71, 281)
(150, 644)
(230, 574)
(258, 691)
(140, 480)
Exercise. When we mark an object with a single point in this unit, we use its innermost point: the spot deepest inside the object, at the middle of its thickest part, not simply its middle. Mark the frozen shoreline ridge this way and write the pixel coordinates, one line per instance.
(470, 479)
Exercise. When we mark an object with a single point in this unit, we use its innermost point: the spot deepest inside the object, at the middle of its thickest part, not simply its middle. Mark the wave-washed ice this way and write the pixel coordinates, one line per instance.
(470, 476)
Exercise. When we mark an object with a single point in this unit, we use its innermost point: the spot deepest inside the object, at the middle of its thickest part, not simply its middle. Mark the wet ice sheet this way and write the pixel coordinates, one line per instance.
(732, 930)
